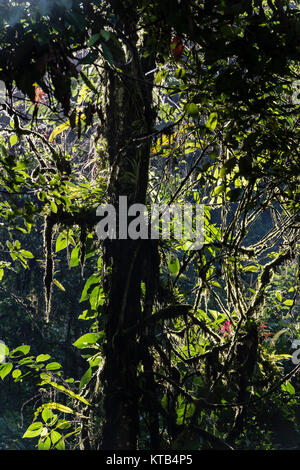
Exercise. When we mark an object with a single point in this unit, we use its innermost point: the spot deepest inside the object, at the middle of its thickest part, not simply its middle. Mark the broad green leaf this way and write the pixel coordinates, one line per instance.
(66, 391)
(63, 240)
(105, 34)
(86, 340)
(212, 121)
(60, 445)
(158, 78)
(94, 39)
(61, 424)
(96, 297)
(74, 260)
(53, 366)
(251, 269)
(288, 302)
(26, 254)
(193, 110)
(174, 265)
(288, 387)
(85, 378)
(55, 437)
(92, 280)
(34, 430)
(5, 369)
(47, 415)
(42, 358)
(44, 444)
(55, 406)
(180, 72)
(16, 373)
(13, 140)
(21, 350)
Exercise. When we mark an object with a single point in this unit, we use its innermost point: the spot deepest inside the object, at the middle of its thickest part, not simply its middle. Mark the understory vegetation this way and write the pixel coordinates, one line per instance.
(147, 343)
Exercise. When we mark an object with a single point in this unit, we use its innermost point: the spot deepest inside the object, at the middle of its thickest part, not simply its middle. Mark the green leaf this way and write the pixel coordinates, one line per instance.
(66, 391)
(180, 72)
(47, 415)
(33, 430)
(288, 302)
(62, 241)
(193, 110)
(94, 39)
(59, 129)
(5, 369)
(53, 366)
(55, 437)
(21, 350)
(58, 284)
(85, 378)
(158, 78)
(92, 280)
(212, 121)
(53, 207)
(74, 260)
(63, 424)
(174, 265)
(251, 269)
(105, 34)
(44, 444)
(42, 358)
(16, 373)
(96, 297)
(278, 296)
(55, 406)
(288, 387)
(61, 445)
(26, 254)
(13, 140)
(86, 340)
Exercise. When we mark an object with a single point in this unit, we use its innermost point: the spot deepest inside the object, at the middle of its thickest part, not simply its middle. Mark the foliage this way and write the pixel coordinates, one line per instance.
(166, 105)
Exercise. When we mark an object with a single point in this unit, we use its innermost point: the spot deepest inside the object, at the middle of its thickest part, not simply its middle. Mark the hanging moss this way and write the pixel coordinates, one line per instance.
(49, 266)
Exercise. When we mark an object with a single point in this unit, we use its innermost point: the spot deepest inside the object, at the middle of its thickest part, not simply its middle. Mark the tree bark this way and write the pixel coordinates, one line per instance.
(130, 121)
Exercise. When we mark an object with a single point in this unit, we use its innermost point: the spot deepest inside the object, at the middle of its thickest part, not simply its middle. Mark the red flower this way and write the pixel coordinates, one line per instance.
(177, 49)
(225, 329)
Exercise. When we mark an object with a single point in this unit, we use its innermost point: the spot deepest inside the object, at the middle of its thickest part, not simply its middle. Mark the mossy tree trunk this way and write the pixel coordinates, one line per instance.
(129, 125)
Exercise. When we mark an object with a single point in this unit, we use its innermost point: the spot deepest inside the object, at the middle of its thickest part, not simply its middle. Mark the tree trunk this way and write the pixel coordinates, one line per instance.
(130, 120)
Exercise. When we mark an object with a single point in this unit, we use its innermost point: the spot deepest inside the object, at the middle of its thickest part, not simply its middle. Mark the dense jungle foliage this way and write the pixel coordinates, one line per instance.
(148, 343)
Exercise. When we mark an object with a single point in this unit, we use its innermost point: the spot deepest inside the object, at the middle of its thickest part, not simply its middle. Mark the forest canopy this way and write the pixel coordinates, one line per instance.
(135, 342)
